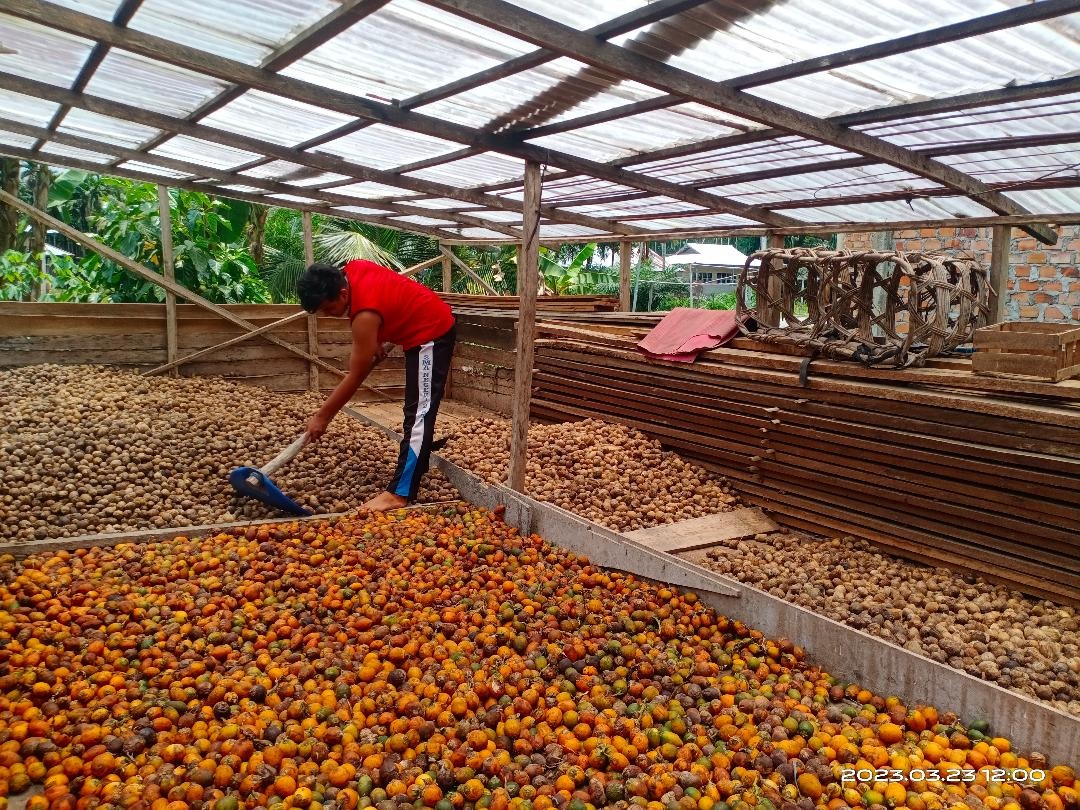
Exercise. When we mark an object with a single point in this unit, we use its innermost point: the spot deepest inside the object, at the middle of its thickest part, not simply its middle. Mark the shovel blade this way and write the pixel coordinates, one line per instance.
(264, 490)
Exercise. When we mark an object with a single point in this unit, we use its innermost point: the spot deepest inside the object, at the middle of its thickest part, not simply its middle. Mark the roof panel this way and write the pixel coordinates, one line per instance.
(658, 129)
(26, 109)
(356, 209)
(737, 35)
(41, 53)
(383, 147)
(1052, 200)
(308, 201)
(482, 233)
(920, 208)
(475, 170)
(772, 154)
(64, 150)
(537, 96)
(1019, 165)
(244, 30)
(688, 223)
(204, 153)
(153, 168)
(16, 140)
(372, 191)
(273, 118)
(88, 124)
(404, 48)
(1036, 117)
(581, 13)
(857, 181)
(436, 223)
(132, 79)
(105, 9)
(324, 178)
(442, 203)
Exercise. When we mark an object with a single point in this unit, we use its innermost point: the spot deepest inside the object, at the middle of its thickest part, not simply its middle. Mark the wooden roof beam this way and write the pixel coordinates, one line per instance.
(222, 177)
(879, 115)
(54, 16)
(646, 15)
(510, 19)
(323, 162)
(173, 182)
(343, 17)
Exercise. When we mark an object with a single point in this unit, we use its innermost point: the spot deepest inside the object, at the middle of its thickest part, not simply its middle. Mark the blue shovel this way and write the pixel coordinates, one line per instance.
(254, 482)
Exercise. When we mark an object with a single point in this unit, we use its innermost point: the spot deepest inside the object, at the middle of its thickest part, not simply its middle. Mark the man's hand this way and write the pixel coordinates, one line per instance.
(382, 353)
(316, 426)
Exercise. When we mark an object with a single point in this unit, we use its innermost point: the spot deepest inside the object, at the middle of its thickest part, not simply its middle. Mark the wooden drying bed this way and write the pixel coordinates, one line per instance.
(935, 464)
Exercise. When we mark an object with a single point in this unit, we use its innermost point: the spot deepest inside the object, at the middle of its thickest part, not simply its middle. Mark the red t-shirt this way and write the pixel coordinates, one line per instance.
(411, 313)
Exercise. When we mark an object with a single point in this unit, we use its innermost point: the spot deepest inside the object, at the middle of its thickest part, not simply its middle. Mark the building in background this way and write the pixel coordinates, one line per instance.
(713, 269)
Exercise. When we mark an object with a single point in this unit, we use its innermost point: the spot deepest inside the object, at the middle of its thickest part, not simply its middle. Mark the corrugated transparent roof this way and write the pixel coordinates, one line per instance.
(932, 109)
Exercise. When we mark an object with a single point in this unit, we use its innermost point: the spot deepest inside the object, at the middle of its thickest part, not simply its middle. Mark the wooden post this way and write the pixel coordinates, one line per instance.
(517, 288)
(528, 279)
(309, 246)
(165, 226)
(770, 315)
(1000, 242)
(624, 276)
(447, 272)
(312, 320)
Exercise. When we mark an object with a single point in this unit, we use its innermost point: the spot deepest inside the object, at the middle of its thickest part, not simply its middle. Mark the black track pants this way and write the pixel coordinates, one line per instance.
(426, 369)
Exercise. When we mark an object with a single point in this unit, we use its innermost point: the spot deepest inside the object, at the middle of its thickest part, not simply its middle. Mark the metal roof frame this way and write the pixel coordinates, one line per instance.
(609, 206)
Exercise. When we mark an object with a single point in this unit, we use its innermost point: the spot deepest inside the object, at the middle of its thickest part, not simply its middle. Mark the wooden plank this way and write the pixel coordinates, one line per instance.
(697, 533)
(62, 343)
(447, 272)
(1012, 339)
(1029, 365)
(224, 345)
(736, 375)
(921, 509)
(46, 325)
(72, 357)
(483, 354)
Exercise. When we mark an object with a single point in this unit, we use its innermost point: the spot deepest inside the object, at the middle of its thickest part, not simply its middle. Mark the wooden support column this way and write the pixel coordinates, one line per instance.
(165, 226)
(766, 314)
(1000, 242)
(624, 276)
(447, 271)
(528, 279)
(312, 320)
(517, 273)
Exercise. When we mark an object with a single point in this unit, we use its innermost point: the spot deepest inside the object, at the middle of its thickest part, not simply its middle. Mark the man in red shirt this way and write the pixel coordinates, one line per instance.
(385, 307)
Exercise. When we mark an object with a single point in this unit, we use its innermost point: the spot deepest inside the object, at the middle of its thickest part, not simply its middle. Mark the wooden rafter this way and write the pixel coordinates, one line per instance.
(510, 19)
(230, 177)
(323, 162)
(158, 48)
(1021, 15)
(880, 115)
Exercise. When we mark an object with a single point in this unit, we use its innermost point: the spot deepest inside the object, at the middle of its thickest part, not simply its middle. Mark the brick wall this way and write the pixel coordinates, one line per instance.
(1044, 280)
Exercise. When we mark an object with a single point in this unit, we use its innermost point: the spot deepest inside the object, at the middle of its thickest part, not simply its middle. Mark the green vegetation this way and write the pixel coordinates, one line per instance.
(231, 252)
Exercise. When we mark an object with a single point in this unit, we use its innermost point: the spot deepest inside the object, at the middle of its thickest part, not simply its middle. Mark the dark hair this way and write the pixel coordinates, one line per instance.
(318, 284)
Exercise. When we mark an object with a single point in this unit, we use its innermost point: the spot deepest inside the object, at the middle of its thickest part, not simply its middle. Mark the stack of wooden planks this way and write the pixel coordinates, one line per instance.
(936, 464)
(544, 303)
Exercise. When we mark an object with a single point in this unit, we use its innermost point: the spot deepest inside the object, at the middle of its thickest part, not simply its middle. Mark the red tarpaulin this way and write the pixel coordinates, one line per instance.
(684, 333)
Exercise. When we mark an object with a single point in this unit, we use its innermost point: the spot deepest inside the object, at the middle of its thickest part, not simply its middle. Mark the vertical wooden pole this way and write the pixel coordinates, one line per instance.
(1001, 239)
(312, 320)
(447, 271)
(624, 276)
(766, 314)
(528, 279)
(520, 270)
(165, 225)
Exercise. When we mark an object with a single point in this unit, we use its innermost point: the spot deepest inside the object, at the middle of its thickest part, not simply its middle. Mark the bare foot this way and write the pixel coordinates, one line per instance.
(385, 501)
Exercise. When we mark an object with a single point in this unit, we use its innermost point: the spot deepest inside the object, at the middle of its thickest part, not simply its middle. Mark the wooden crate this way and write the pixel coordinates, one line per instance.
(1048, 351)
